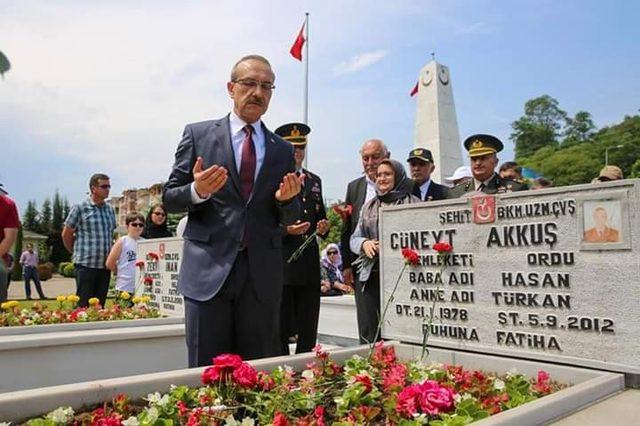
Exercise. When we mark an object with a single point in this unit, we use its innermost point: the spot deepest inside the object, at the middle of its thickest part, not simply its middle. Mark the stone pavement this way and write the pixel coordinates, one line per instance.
(620, 409)
(53, 287)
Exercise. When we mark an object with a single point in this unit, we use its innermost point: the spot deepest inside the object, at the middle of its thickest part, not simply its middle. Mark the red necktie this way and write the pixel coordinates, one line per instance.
(247, 163)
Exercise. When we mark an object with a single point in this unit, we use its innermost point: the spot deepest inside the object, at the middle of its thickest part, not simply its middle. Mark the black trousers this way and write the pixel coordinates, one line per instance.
(233, 321)
(31, 274)
(368, 307)
(91, 282)
(299, 315)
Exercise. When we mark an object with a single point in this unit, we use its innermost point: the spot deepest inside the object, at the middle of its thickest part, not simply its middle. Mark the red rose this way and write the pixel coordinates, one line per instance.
(408, 400)
(436, 399)
(443, 248)
(411, 257)
(280, 419)
(245, 376)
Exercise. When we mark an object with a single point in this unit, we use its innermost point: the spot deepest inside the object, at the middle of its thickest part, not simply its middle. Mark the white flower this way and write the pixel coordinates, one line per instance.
(154, 398)
(498, 384)
(230, 421)
(131, 421)
(462, 396)
(152, 414)
(5, 424)
(61, 415)
(248, 421)
(164, 400)
(512, 372)
(307, 374)
(28, 322)
(82, 315)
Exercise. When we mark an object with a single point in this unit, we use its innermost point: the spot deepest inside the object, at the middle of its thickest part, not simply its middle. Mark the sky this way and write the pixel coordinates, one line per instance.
(108, 87)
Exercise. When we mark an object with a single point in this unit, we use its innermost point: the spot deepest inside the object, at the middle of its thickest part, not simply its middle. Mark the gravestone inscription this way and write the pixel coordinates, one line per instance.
(157, 274)
(551, 275)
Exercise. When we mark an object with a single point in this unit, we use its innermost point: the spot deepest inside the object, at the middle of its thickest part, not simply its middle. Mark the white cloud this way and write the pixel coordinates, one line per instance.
(359, 62)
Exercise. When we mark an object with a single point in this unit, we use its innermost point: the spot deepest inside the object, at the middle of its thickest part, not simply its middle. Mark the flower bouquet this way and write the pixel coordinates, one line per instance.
(377, 390)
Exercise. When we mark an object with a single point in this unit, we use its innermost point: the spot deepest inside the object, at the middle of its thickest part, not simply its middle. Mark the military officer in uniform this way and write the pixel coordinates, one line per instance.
(483, 155)
(421, 166)
(301, 292)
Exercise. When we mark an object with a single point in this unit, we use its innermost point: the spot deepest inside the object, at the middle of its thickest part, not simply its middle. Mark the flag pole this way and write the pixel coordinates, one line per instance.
(305, 102)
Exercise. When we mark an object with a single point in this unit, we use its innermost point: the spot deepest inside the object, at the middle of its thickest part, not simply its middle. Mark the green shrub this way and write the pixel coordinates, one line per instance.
(69, 270)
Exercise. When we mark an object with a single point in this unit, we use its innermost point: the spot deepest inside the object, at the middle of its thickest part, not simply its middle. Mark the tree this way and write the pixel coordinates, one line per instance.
(30, 217)
(539, 127)
(65, 209)
(579, 128)
(45, 217)
(16, 271)
(335, 228)
(58, 214)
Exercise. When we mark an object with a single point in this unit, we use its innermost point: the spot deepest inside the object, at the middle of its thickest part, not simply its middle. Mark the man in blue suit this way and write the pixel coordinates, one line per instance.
(237, 181)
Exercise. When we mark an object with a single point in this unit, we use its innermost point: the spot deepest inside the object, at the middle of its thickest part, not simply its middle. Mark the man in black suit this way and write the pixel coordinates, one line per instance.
(237, 181)
(421, 166)
(359, 191)
(301, 291)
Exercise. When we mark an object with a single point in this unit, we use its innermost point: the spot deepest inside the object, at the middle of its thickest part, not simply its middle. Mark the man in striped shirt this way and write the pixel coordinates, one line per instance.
(88, 234)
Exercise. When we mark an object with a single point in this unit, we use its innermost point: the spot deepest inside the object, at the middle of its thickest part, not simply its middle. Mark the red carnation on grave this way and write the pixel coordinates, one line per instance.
(411, 257)
(318, 413)
(394, 378)
(148, 280)
(365, 380)
(245, 376)
(443, 248)
(280, 419)
(223, 366)
(383, 355)
(153, 256)
(542, 383)
(140, 264)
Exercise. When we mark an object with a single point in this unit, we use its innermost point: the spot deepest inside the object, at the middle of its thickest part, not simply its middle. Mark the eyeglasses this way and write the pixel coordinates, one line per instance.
(137, 225)
(107, 186)
(159, 214)
(253, 84)
(332, 252)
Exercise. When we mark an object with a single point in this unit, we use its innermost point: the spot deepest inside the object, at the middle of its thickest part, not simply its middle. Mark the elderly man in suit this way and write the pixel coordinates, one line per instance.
(421, 166)
(483, 155)
(237, 181)
(359, 191)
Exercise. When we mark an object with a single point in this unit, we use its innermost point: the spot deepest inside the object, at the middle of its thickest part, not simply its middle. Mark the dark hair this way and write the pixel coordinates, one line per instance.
(155, 206)
(511, 165)
(131, 217)
(95, 178)
(260, 58)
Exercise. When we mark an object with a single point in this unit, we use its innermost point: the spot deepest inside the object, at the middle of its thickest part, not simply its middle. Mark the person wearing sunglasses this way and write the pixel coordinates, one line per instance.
(122, 258)
(88, 235)
(155, 226)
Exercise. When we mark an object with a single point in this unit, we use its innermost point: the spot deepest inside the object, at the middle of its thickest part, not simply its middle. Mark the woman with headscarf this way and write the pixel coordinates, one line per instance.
(155, 225)
(331, 280)
(392, 188)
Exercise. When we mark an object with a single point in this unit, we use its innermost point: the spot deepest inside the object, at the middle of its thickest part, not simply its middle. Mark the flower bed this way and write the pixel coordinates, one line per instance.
(68, 312)
(379, 389)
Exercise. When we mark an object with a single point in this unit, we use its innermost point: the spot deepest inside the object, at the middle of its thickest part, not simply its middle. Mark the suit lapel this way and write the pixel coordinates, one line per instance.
(222, 133)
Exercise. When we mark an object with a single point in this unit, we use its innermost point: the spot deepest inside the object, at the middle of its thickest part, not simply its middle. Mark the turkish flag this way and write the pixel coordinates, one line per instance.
(414, 91)
(296, 49)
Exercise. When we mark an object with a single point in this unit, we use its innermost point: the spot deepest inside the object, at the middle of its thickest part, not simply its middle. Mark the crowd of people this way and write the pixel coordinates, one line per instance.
(252, 273)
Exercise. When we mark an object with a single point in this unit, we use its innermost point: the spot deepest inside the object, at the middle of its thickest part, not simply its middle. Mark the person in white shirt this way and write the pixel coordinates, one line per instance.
(122, 258)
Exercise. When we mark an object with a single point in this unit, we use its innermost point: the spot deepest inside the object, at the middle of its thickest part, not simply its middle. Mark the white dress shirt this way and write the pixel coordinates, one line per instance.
(236, 125)
(371, 190)
(424, 188)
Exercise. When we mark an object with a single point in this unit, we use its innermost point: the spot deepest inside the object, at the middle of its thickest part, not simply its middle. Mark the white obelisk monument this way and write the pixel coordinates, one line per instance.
(436, 123)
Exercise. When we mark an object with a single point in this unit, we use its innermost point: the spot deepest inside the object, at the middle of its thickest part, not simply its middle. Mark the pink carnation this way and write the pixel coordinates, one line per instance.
(232, 361)
(365, 380)
(394, 377)
(280, 419)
